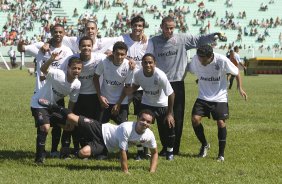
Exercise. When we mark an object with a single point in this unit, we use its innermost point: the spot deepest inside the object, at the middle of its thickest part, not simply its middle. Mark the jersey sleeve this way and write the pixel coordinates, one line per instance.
(166, 86)
(191, 65)
(100, 68)
(71, 42)
(150, 47)
(31, 49)
(123, 139)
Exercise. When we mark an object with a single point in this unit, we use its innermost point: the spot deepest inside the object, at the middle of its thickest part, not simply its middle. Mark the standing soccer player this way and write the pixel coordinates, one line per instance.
(170, 51)
(158, 96)
(58, 85)
(211, 69)
(56, 46)
(116, 74)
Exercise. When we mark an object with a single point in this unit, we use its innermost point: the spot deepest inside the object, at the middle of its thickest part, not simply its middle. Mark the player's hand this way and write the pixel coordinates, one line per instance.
(170, 120)
(115, 109)
(104, 102)
(132, 64)
(55, 56)
(243, 94)
(143, 38)
(45, 48)
(128, 90)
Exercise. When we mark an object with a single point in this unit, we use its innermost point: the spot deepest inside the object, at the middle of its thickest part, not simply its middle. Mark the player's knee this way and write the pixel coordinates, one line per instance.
(196, 120)
(85, 152)
(45, 128)
(221, 123)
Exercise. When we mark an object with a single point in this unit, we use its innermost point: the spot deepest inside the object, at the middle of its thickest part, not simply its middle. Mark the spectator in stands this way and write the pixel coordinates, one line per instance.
(75, 12)
(12, 55)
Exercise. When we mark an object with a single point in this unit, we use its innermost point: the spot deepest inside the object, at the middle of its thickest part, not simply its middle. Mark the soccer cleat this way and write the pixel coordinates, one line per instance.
(169, 156)
(139, 157)
(220, 159)
(55, 154)
(39, 160)
(204, 151)
(162, 153)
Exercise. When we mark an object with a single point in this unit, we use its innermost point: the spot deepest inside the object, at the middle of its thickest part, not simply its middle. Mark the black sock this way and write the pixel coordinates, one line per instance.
(56, 136)
(222, 133)
(40, 143)
(199, 131)
(171, 138)
(66, 139)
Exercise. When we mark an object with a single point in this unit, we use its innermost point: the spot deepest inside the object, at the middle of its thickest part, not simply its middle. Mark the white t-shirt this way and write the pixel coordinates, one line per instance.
(56, 88)
(114, 79)
(41, 58)
(212, 82)
(124, 135)
(237, 58)
(156, 88)
(87, 73)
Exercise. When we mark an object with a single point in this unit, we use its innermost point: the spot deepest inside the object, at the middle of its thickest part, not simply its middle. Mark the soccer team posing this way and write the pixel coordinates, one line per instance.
(150, 72)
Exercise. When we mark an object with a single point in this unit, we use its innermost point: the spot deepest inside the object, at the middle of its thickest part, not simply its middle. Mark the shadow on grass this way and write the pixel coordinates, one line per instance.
(15, 155)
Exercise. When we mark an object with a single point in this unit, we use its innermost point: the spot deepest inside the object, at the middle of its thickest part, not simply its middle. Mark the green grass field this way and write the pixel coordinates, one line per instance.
(253, 152)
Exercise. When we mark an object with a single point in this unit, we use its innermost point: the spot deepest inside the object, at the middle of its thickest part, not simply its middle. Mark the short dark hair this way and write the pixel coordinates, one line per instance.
(236, 48)
(149, 55)
(137, 19)
(56, 25)
(85, 38)
(167, 19)
(147, 111)
(120, 45)
(73, 60)
(90, 21)
(205, 51)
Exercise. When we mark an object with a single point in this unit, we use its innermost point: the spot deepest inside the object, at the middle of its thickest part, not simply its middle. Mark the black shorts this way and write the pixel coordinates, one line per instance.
(218, 110)
(91, 134)
(88, 105)
(106, 114)
(41, 116)
(136, 99)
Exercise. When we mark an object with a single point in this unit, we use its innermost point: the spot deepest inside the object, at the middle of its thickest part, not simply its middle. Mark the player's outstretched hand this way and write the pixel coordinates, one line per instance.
(243, 94)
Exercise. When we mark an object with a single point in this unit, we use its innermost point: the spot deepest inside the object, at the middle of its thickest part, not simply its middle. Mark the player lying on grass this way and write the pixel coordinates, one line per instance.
(100, 138)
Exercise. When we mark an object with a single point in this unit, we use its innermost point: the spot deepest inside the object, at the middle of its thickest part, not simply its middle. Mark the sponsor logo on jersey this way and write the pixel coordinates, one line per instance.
(85, 77)
(113, 83)
(55, 64)
(58, 93)
(210, 78)
(169, 53)
(152, 92)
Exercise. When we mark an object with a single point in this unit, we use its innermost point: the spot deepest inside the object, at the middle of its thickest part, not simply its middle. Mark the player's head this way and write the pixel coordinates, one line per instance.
(57, 32)
(85, 45)
(148, 64)
(205, 54)
(145, 118)
(236, 49)
(75, 65)
(119, 52)
(90, 29)
(167, 26)
(137, 25)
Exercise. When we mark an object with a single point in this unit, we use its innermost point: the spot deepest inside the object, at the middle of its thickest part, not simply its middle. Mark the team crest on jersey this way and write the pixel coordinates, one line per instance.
(216, 67)
(123, 72)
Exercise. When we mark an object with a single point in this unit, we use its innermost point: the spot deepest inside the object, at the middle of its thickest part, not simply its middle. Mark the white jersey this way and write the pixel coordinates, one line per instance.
(114, 79)
(212, 82)
(56, 88)
(87, 73)
(136, 50)
(41, 58)
(156, 88)
(124, 135)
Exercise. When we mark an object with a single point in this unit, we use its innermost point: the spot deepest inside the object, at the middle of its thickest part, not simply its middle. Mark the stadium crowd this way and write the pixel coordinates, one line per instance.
(23, 15)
